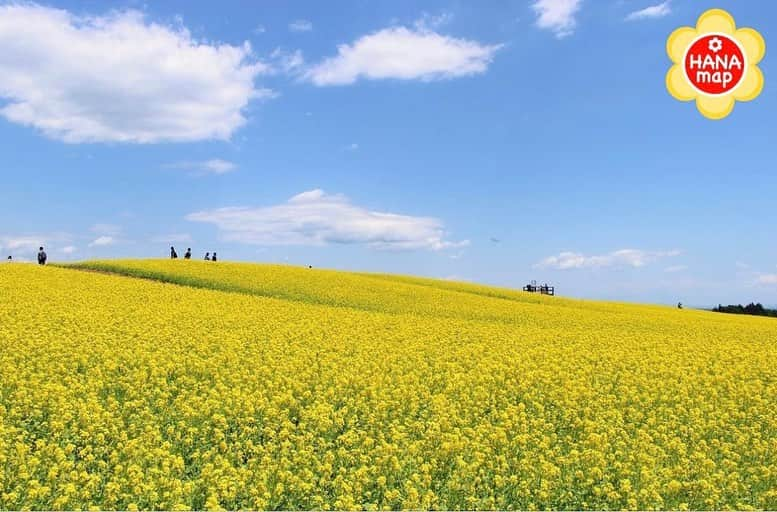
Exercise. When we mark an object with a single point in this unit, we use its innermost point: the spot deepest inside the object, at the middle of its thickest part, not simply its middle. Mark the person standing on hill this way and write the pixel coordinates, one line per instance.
(42, 257)
(207, 256)
(188, 254)
(214, 257)
(173, 254)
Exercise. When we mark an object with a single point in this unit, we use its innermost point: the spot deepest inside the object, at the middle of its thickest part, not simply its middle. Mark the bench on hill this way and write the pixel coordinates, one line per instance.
(543, 289)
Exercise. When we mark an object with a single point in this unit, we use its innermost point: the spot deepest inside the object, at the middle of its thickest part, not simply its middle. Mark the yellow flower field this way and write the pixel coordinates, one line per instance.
(279, 387)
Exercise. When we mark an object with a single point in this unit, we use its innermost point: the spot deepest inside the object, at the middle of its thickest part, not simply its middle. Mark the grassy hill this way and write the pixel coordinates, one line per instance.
(261, 386)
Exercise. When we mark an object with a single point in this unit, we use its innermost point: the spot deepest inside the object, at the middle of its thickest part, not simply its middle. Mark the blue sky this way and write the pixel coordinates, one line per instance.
(496, 142)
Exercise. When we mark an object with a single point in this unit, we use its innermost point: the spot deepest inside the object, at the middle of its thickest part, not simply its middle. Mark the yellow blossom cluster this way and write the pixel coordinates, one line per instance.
(261, 387)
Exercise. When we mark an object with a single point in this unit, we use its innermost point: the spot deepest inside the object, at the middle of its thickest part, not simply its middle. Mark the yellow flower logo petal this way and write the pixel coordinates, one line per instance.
(715, 64)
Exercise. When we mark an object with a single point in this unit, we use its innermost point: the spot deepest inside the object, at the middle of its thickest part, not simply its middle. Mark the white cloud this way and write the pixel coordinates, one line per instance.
(624, 257)
(69, 249)
(286, 62)
(654, 11)
(15, 243)
(317, 218)
(557, 15)
(675, 268)
(120, 78)
(21, 242)
(405, 54)
(300, 26)
(217, 166)
(102, 241)
(767, 279)
(260, 29)
(213, 166)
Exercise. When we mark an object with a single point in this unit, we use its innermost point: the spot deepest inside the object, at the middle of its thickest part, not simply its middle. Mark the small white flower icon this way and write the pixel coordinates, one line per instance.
(716, 45)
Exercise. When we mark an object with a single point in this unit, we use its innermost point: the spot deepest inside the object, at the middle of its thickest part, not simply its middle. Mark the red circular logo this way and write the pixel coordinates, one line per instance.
(714, 64)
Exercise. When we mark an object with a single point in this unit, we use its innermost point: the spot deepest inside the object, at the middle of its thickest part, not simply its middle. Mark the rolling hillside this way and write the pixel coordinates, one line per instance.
(187, 384)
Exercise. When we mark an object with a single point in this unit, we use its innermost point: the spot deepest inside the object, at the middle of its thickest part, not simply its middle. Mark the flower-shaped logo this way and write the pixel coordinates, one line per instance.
(715, 64)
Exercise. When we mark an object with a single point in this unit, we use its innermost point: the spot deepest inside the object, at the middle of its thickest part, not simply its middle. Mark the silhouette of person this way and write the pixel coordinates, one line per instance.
(188, 254)
(10, 258)
(42, 257)
(214, 257)
(679, 305)
(207, 256)
(173, 254)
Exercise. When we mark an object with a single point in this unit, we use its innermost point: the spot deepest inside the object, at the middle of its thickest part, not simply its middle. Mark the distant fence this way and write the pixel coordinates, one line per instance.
(544, 289)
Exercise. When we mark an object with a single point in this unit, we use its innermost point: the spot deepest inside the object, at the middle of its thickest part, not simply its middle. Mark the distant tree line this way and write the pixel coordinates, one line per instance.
(750, 309)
